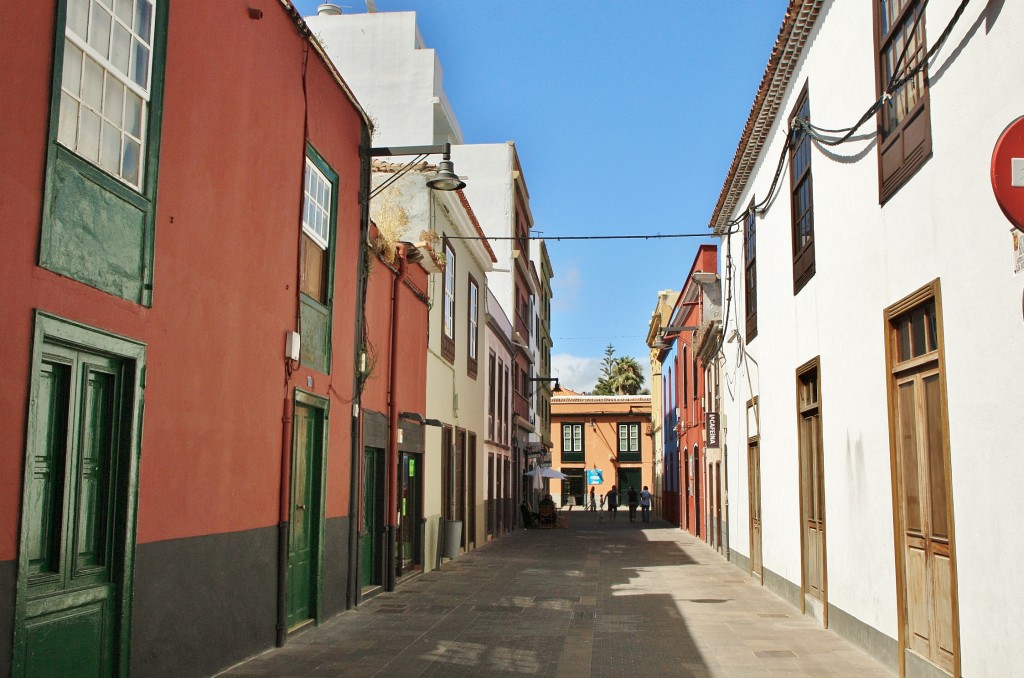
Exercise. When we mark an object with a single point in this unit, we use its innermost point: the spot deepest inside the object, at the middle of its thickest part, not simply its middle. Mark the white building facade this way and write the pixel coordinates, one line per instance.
(870, 362)
(399, 81)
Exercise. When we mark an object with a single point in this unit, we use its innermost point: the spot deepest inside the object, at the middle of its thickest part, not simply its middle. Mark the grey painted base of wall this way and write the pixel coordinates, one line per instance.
(871, 640)
(782, 587)
(739, 560)
(336, 567)
(202, 604)
(868, 638)
(8, 570)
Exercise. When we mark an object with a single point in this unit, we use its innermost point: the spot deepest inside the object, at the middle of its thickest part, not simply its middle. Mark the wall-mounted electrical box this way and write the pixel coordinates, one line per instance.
(292, 345)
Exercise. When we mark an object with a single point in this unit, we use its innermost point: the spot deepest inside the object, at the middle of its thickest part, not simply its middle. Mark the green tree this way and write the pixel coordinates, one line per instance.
(619, 376)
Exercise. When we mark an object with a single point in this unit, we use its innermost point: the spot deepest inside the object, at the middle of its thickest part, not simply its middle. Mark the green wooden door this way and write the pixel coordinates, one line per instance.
(410, 509)
(373, 510)
(74, 509)
(304, 530)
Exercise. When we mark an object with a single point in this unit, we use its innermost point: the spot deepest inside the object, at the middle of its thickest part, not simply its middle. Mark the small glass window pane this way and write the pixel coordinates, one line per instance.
(130, 162)
(92, 84)
(113, 101)
(133, 114)
(140, 65)
(903, 340)
(67, 130)
(121, 48)
(110, 148)
(99, 30)
(78, 17)
(123, 10)
(71, 79)
(89, 135)
(933, 330)
(144, 19)
(917, 333)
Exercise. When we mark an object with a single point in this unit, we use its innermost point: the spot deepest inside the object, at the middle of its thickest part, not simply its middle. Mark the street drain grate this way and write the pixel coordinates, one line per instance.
(709, 600)
(768, 654)
(583, 614)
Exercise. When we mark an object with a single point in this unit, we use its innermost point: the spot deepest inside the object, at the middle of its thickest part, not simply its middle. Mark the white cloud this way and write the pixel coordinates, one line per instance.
(574, 372)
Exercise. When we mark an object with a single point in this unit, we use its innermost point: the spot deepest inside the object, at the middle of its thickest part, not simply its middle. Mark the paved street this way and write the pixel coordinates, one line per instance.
(597, 599)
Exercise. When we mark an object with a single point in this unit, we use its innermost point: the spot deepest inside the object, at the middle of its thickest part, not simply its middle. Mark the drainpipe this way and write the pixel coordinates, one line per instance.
(391, 485)
(356, 452)
(282, 525)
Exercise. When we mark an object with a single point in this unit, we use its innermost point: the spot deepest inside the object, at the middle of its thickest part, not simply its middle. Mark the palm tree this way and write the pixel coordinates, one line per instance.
(619, 376)
(627, 376)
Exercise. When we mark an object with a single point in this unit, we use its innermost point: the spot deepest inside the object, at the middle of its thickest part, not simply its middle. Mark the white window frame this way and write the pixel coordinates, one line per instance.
(572, 433)
(449, 291)
(316, 206)
(632, 437)
(474, 307)
(108, 106)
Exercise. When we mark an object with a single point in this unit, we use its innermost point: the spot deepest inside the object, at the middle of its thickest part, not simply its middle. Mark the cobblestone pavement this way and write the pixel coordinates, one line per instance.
(609, 598)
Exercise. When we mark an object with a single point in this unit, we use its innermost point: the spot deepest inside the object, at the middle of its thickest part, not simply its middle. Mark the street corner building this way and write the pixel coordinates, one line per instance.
(182, 291)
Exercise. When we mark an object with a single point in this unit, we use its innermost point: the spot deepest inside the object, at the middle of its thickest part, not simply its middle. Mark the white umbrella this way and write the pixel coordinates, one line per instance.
(538, 478)
(545, 472)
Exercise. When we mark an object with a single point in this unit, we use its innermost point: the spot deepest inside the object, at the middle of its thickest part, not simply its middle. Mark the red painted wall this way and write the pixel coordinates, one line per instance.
(227, 225)
(691, 411)
(411, 365)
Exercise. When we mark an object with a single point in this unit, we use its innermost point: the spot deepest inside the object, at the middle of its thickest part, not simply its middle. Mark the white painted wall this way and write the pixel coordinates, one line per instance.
(944, 223)
(395, 77)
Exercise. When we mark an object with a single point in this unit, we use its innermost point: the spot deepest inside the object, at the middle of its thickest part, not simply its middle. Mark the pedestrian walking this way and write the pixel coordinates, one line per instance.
(613, 502)
(634, 501)
(645, 504)
(600, 514)
(593, 502)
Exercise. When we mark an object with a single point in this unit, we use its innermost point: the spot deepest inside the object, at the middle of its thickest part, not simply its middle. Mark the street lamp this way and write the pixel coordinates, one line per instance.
(444, 180)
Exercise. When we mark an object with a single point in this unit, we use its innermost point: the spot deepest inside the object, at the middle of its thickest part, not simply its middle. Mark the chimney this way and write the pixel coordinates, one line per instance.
(328, 9)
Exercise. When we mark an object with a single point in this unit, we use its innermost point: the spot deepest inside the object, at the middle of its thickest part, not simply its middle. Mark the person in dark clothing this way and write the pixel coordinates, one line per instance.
(613, 502)
(634, 501)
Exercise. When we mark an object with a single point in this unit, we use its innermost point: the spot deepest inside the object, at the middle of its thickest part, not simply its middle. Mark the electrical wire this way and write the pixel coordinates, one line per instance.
(654, 236)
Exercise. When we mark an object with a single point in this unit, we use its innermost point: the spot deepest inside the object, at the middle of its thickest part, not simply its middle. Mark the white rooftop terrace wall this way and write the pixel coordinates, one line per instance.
(395, 77)
(487, 170)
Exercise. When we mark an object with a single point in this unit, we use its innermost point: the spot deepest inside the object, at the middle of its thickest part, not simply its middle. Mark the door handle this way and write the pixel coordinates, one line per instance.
(301, 507)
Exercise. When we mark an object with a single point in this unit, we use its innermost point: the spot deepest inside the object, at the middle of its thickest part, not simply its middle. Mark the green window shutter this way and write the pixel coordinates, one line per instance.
(96, 228)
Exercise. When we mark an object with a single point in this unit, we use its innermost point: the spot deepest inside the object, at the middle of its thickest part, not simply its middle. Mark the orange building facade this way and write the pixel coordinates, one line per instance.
(610, 434)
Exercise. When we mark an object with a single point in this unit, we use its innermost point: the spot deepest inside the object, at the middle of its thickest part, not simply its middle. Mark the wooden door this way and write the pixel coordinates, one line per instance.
(812, 496)
(471, 489)
(304, 524)
(922, 497)
(372, 529)
(74, 509)
(410, 505)
(754, 489)
(926, 543)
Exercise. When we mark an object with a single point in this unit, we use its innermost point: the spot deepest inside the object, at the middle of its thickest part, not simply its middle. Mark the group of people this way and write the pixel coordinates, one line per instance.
(633, 500)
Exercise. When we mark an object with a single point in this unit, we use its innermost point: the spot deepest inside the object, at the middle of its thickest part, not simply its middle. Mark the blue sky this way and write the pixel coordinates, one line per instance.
(626, 116)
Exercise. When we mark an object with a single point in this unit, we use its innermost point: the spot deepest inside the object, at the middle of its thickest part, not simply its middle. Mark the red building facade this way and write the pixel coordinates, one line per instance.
(181, 202)
(688, 391)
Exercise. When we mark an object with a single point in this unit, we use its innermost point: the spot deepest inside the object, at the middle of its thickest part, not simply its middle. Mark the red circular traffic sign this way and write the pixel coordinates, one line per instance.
(1008, 172)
